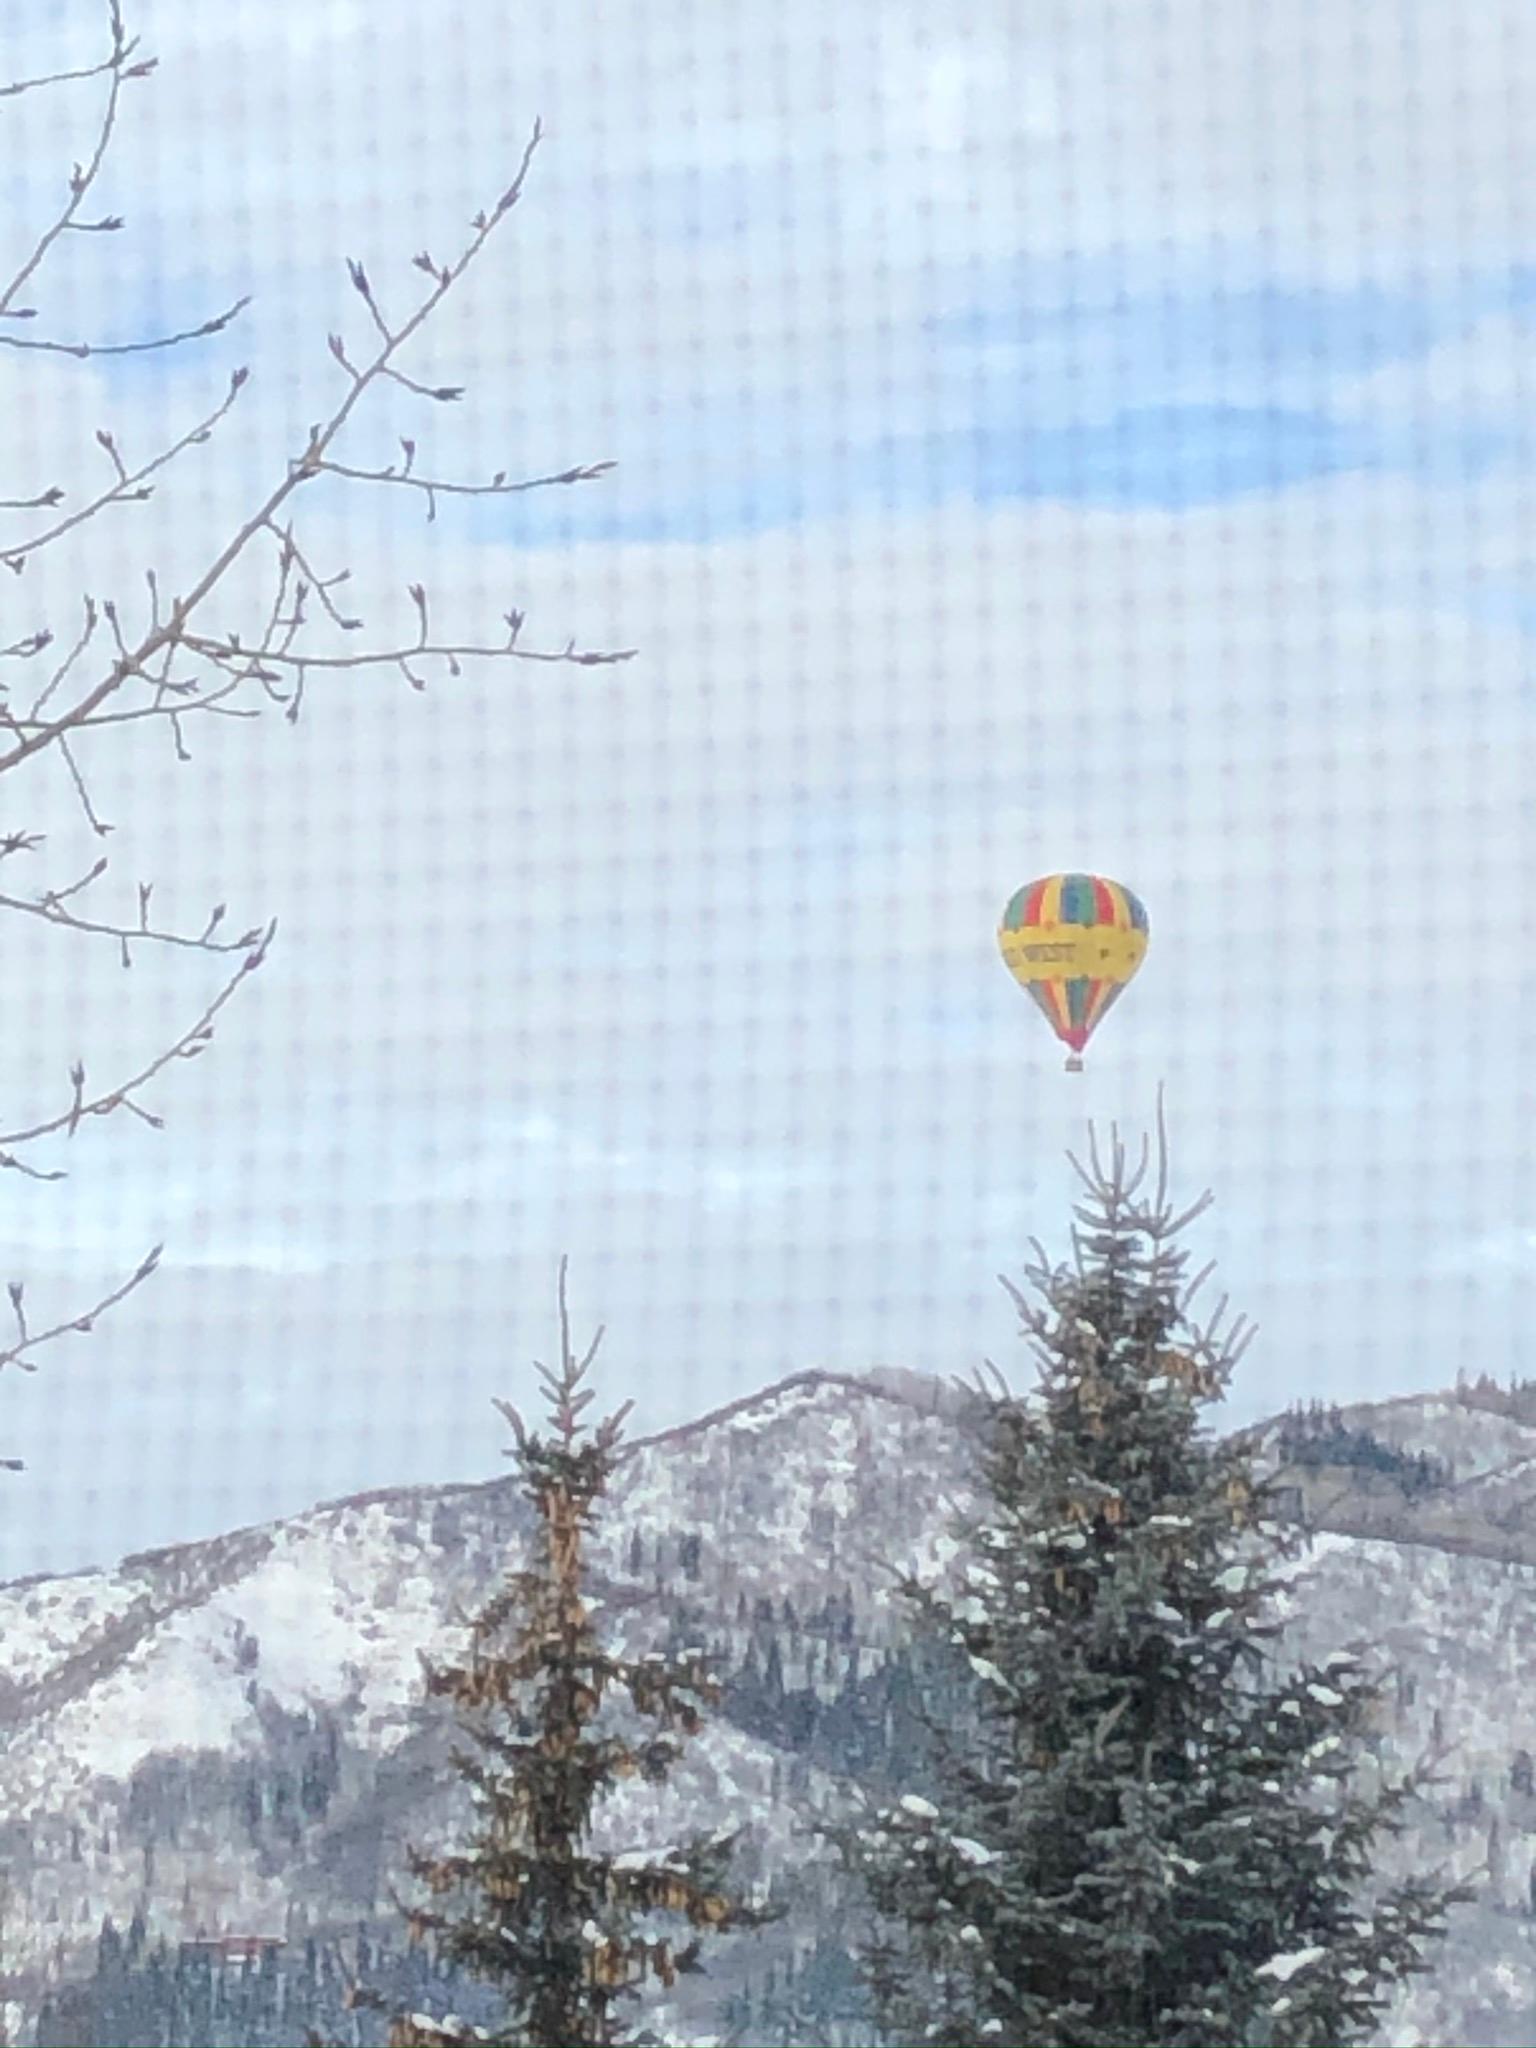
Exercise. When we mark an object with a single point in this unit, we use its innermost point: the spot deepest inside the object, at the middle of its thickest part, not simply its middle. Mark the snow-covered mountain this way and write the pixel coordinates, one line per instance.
(229, 1737)
(1479, 1442)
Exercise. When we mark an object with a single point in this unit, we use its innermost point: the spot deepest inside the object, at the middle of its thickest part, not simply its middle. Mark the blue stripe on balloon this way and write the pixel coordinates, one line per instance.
(1077, 900)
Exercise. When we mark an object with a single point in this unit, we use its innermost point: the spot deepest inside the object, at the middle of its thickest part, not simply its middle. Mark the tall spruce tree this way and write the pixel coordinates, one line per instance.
(1153, 1831)
(566, 1931)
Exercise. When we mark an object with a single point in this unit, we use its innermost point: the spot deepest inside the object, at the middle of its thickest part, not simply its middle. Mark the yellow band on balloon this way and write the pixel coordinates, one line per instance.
(1064, 952)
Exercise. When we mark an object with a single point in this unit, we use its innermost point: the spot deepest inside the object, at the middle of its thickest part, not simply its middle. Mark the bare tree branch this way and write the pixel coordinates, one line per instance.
(65, 687)
(28, 1340)
(128, 487)
(192, 1041)
(19, 86)
(435, 487)
(117, 68)
(80, 350)
(222, 652)
(50, 908)
(172, 632)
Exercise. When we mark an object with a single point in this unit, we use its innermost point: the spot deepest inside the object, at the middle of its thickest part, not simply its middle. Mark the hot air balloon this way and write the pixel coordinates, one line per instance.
(1073, 942)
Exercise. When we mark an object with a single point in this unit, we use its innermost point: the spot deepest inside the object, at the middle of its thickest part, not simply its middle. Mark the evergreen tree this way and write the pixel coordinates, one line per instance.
(1150, 1832)
(565, 1931)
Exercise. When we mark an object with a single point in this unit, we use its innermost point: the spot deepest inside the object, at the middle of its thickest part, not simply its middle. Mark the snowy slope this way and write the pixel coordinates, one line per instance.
(1460, 1632)
(1487, 1506)
(231, 1734)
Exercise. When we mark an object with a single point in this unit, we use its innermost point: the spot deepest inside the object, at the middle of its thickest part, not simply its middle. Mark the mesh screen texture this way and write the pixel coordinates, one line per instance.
(1084, 438)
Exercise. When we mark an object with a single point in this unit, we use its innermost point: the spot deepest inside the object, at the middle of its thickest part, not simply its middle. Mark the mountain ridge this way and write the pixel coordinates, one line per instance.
(232, 1731)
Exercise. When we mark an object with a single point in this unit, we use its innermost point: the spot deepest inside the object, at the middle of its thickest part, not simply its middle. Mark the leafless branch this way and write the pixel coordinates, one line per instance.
(87, 633)
(117, 665)
(122, 1095)
(222, 653)
(80, 350)
(25, 648)
(29, 1340)
(50, 908)
(128, 487)
(435, 487)
(21, 85)
(173, 632)
(117, 69)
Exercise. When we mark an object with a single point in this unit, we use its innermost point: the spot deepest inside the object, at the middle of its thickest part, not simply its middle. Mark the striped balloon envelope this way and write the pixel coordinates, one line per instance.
(1072, 942)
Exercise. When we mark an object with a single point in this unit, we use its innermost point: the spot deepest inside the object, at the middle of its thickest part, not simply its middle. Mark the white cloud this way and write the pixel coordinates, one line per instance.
(688, 968)
(1480, 378)
(1352, 138)
(1508, 1253)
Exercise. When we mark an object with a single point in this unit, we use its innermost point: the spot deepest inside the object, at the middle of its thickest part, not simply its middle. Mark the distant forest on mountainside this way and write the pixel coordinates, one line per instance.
(279, 1812)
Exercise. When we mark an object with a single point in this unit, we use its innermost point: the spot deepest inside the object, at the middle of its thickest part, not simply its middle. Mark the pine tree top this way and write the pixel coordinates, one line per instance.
(577, 1457)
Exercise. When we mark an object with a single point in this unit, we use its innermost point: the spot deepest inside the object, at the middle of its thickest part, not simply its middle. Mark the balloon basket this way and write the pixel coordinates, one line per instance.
(1074, 1065)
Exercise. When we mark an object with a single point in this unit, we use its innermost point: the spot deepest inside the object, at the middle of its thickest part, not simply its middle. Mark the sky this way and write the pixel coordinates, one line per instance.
(1092, 435)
